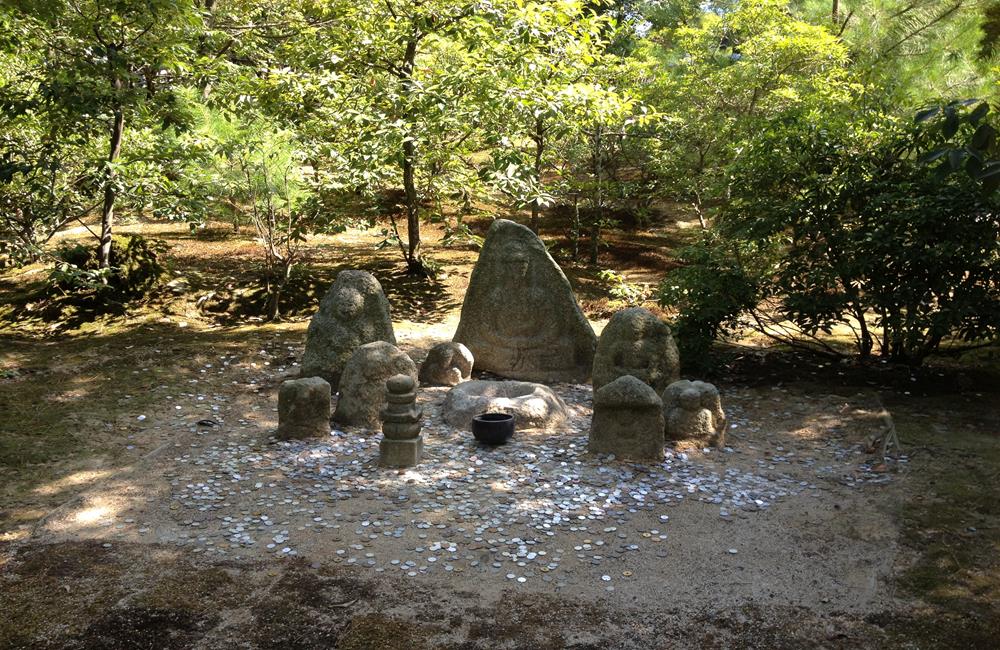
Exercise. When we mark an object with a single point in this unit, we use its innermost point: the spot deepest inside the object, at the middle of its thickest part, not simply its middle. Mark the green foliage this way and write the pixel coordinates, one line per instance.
(135, 269)
(620, 290)
(847, 228)
(725, 75)
(718, 281)
(86, 74)
(970, 141)
(784, 125)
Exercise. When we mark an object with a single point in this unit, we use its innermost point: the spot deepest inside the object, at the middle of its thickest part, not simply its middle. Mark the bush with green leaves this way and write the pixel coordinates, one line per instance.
(849, 226)
(621, 290)
(135, 269)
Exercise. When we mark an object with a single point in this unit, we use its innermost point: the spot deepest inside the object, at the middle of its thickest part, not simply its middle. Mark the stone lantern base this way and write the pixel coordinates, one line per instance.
(400, 453)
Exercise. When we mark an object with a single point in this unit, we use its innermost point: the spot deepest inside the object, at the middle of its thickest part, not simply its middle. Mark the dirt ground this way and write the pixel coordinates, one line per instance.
(103, 428)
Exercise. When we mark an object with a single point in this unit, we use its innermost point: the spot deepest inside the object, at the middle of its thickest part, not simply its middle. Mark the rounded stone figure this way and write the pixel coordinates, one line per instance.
(353, 312)
(362, 385)
(447, 364)
(303, 408)
(628, 421)
(519, 317)
(635, 342)
(401, 444)
(693, 410)
(533, 406)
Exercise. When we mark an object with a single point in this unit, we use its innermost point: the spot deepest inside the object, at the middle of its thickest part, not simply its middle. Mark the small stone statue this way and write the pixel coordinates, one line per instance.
(635, 342)
(401, 445)
(628, 421)
(447, 364)
(362, 386)
(353, 312)
(693, 410)
(304, 408)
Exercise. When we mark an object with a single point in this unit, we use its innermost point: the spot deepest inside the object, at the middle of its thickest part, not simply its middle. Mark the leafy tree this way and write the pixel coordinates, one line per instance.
(104, 63)
(406, 79)
(848, 226)
(605, 121)
(540, 55)
(915, 50)
(727, 73)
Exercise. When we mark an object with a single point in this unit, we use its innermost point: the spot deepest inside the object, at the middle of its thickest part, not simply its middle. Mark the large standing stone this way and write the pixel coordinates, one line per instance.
(635, 342)
(304, 408)
(447, 364)
(628, 421)
(519, 317)
(353, 312)
(692, 410)
(362, 386)
(533, 406)
(401, 444)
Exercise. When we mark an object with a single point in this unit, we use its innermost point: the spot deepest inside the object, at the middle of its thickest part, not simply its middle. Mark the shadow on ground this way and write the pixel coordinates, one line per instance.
(84, 595)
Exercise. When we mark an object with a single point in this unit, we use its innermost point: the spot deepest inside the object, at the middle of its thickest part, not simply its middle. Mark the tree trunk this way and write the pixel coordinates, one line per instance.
(413, 261)
(110, 193)
(576, 227)
(539, 138)
(595, 227)
(412, 205)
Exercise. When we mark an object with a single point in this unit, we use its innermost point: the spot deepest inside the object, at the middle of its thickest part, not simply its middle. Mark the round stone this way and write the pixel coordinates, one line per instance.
(533, 406)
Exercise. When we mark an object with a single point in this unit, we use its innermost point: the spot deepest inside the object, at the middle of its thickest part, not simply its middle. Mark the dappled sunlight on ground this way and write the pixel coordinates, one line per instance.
(170, 396)
(86, 517)
(18, 535)
(75, 480)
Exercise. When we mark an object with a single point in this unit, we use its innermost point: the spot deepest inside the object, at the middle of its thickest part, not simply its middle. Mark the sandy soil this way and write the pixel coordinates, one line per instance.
(826, 547)
(114, 551)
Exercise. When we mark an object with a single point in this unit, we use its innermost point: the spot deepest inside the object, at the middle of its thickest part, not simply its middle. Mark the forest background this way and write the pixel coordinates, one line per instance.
(840, 158)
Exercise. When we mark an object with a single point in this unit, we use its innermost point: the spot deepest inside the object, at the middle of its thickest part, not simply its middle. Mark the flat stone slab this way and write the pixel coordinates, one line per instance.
(534, 406)
(400, 453)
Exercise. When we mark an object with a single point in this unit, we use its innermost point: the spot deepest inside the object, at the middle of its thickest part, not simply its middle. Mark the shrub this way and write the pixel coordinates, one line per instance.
(135, 269)
(849, 228)
(621, 290)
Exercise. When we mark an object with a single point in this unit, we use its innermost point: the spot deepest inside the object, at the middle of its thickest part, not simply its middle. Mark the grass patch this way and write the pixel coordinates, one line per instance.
(379, 632)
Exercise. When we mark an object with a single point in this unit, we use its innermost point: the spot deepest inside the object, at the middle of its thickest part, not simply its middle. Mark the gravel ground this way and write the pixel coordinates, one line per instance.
(792, 513)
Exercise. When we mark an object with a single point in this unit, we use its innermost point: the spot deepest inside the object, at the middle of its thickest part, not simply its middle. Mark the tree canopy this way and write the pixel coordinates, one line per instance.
(795, 131)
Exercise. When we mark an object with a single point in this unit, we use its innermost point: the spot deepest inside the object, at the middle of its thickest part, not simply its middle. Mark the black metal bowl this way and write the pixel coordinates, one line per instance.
(493, 428)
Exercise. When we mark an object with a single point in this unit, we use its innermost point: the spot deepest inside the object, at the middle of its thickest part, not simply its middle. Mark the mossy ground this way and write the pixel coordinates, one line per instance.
(951, 523)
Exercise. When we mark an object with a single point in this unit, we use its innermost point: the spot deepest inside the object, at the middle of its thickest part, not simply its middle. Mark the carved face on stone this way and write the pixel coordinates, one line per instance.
(638, 346)
(690, 399)
(519, 265)
(348, 304)
(519, 316)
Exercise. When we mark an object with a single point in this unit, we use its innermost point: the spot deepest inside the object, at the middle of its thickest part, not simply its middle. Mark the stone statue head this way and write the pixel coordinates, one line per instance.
(517, 262)
(690, 399)
(348, 303)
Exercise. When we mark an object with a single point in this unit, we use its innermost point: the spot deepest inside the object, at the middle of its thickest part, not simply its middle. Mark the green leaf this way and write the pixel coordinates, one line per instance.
(979, 113)
(955, 158)
(935, 154)
(926, 114)
(973, 167)
(990, 171)
(984, 136)
(951, 122)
